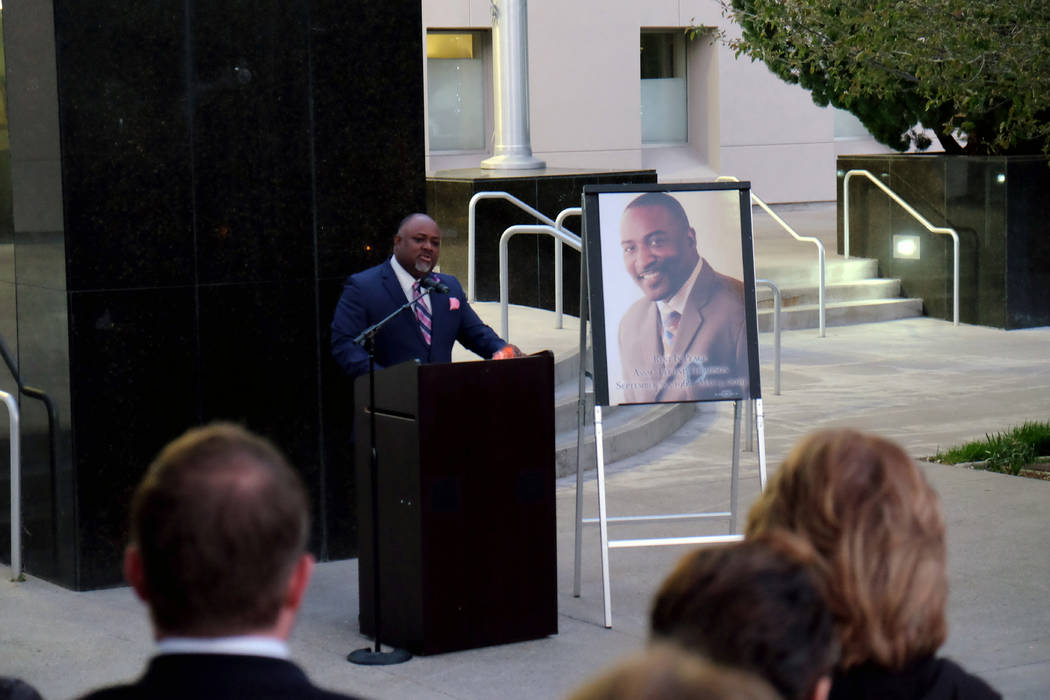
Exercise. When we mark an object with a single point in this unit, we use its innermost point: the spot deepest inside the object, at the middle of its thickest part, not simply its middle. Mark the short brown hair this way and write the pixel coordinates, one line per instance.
(755, 605)
(220, 520)
(666, 673)
(876, 525)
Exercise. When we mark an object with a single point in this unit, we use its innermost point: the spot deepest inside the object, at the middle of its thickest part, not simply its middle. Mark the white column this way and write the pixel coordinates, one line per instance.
(513, 149)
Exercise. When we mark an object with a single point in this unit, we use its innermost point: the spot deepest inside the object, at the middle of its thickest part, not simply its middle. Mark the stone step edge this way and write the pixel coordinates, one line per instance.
(637, 435)
(766, 294)
(799, 308)
(838, 270)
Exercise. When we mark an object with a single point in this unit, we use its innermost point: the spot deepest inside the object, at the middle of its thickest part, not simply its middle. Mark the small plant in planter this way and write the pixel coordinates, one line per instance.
(1010, 452)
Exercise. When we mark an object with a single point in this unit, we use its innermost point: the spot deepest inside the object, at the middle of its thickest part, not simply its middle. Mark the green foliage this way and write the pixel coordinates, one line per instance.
(1036, 434)
(976, 73)
(1009, 456)
(1006, 452)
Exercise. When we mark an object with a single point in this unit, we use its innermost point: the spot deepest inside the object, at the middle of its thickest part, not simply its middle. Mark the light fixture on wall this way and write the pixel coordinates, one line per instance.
(905, 246)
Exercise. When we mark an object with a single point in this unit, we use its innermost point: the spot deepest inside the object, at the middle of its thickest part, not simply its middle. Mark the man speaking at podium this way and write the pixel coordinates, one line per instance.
(428, 329)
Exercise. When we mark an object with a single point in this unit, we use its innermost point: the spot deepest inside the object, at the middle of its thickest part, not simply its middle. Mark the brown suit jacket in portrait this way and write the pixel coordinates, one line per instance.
(709, 356)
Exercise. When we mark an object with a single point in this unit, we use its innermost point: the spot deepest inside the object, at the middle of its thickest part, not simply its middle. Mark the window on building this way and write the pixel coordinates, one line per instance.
(664, 95)
(456, 90)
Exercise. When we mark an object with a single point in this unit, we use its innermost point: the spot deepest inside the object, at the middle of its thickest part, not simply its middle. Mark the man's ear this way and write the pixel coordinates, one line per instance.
(134, 572)
(299, 581)
(691, 235)
(822, 689)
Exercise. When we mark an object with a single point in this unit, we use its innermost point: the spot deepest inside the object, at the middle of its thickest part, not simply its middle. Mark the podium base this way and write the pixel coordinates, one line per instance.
(370, 657)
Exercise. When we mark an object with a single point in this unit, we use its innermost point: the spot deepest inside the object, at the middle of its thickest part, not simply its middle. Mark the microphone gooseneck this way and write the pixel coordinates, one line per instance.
(434, 284)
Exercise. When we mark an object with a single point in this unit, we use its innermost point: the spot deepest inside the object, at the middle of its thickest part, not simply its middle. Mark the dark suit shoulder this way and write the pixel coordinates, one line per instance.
(218, 676)
(454, 286)
(372, 274)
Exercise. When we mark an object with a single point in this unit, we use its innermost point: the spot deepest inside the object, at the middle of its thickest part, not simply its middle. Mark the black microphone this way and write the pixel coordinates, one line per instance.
(433, 283)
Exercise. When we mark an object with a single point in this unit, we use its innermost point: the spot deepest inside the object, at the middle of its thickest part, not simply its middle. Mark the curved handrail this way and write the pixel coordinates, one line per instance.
(559, 294)
(16, 487)
(471, 222)
(565, 237)
(52, 428)
(917, 216)
(821, 253)
(777, 304)
(751, 407)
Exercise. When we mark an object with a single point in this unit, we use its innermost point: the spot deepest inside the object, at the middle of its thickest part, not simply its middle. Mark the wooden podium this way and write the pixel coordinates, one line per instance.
(466, 522)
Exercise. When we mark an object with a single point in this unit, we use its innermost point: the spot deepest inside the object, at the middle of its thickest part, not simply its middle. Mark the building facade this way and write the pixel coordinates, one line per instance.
(620, 84)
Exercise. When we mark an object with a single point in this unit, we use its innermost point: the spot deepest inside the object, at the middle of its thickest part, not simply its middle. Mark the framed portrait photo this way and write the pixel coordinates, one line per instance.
(672, 292)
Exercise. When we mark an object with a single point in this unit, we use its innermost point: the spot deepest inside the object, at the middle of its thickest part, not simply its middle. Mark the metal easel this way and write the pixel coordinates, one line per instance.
(603, 518)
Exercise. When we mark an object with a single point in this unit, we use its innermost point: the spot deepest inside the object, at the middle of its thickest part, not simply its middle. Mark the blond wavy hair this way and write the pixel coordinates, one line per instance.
(876, 525)
(665, 672)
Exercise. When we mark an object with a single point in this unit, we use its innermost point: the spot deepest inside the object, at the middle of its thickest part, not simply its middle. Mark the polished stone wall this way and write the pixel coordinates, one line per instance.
(194, 189)
(997, 205)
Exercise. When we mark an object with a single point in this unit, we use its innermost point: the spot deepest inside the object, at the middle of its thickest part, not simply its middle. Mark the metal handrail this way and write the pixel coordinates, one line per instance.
(777, 304)
(560, 235)
(471, 223)
(52, 427)
(750, 407)
(559, 295)
(821, 253)
(16, 487)
(917, 216)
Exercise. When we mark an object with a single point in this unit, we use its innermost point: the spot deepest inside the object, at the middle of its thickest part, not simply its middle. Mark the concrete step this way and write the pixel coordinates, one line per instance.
(797, 270)
(843, 313)
(626, 431)
(859, 290)
(566, 399)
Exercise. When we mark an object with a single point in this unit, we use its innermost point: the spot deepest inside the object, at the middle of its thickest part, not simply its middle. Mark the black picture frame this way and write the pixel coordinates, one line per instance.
(630, 272)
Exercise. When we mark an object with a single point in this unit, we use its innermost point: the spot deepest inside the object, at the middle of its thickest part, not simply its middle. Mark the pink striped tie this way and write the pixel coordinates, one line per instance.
(422, 314)
(670, 328)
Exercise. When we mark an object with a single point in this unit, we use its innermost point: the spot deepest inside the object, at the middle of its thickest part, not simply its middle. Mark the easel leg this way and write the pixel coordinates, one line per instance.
(760, 423)
(749, 444)
(734, 477)
(603, 523)
(581, 412)
(579, 501)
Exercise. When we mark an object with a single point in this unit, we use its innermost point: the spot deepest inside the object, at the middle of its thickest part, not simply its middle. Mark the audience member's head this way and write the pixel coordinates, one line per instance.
(15, 689)
(218, 535)
(755, 605)
(876, 526)
(668, 673)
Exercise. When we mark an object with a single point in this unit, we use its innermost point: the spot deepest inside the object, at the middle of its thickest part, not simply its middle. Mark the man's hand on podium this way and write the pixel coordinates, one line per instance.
(508, 351)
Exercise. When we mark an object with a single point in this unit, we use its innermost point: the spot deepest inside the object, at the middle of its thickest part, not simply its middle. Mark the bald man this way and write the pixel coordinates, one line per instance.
(428, 330)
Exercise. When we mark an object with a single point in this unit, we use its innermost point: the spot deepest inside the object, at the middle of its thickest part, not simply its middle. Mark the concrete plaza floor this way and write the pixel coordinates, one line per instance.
(922, 382)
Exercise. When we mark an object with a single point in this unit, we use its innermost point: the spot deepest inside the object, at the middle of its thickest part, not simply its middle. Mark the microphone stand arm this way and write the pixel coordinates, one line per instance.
(370, 332)
(376, 656)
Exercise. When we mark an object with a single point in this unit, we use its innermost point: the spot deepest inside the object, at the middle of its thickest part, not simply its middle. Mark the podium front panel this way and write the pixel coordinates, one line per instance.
(481, 560)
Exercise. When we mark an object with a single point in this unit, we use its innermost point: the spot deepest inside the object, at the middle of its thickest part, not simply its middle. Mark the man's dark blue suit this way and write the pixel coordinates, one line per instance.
(370, 296)
(220, 676)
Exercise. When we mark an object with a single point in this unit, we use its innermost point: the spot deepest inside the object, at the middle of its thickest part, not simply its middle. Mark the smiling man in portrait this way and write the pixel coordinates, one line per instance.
(686, 338)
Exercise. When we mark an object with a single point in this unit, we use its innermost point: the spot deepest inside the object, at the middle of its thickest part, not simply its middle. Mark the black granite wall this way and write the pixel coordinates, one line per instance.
(224, 166)
(997, 205)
